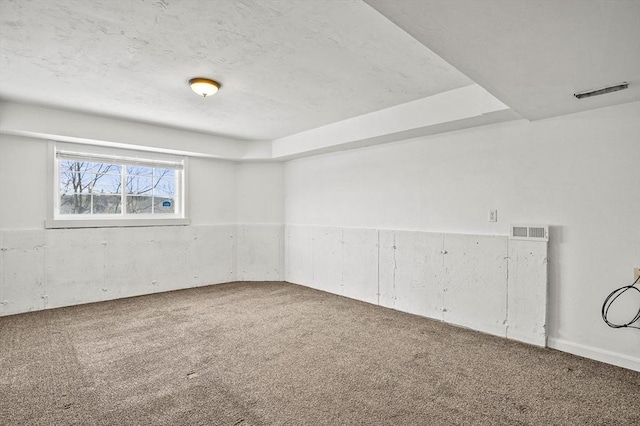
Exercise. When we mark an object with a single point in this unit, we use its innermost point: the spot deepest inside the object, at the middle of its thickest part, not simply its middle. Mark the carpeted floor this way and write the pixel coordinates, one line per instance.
(281, 354)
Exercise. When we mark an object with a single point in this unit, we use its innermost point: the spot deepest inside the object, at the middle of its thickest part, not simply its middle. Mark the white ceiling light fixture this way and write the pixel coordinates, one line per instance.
(204, 86)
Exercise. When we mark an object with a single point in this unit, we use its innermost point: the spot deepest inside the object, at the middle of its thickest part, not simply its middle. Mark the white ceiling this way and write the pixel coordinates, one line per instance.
(288, 66)
(533, 55)
(285, 66)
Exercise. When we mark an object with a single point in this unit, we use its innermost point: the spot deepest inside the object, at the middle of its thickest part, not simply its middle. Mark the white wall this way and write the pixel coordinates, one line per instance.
(24, 160)
(50, 123)
(212, 186)
(211, 191)
(44, 268)
(578, 173)
(260, 218)
(260, 193)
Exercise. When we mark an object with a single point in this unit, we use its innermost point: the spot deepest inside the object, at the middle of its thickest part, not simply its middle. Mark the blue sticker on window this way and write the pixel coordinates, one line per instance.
(166, 204)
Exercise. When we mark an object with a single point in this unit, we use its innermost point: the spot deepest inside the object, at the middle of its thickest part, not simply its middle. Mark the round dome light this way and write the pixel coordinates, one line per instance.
(203, 86)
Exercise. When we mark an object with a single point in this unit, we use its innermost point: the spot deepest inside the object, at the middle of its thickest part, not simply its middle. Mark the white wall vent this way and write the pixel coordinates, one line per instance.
(529, 232)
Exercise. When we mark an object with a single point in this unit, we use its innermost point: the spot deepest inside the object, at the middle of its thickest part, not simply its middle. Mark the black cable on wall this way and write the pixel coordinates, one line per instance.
(612, 298)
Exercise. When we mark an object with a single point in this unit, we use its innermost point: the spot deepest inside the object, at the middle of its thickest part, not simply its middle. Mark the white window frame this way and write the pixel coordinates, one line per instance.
(122, 157)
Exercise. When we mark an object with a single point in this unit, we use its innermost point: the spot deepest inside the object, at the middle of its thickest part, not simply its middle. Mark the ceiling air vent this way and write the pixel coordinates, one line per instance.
(602, 91)
(529, 232)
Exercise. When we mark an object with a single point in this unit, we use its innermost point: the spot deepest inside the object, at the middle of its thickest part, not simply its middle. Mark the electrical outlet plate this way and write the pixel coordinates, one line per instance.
(493, 215)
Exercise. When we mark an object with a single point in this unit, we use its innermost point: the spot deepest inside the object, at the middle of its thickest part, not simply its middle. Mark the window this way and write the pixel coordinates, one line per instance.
(95, 189)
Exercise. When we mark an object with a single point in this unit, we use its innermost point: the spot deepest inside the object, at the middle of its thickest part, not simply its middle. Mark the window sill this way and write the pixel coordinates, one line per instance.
(112, 223)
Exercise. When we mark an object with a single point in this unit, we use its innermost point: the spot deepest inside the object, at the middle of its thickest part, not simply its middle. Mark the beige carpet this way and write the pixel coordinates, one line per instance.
(280, 354)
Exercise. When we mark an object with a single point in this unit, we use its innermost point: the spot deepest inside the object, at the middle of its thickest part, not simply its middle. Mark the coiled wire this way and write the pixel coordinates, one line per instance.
(612, 298)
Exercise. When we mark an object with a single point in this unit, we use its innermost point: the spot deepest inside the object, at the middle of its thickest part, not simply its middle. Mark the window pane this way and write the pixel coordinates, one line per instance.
(165, 186)
(75, 204)
(94, 167)
(106, 168)
(163, 205)
(67, 181)
(160, 173)
(75, 166)
(67, 165)
(139, 171)
(107, 184)
(71, 183)
(137, 185)
(138, 204)
(107, 204)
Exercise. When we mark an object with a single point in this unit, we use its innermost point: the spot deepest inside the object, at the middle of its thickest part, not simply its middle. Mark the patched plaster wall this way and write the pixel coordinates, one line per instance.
(577, 173)
(46, 268)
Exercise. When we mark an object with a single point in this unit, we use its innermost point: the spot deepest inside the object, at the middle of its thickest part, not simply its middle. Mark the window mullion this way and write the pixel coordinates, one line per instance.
(92, 178)
(153, 175)
(123, 190)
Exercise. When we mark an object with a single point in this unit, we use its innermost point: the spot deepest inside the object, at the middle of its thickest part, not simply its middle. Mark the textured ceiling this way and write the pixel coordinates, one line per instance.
(533, 55)
(285, 66)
